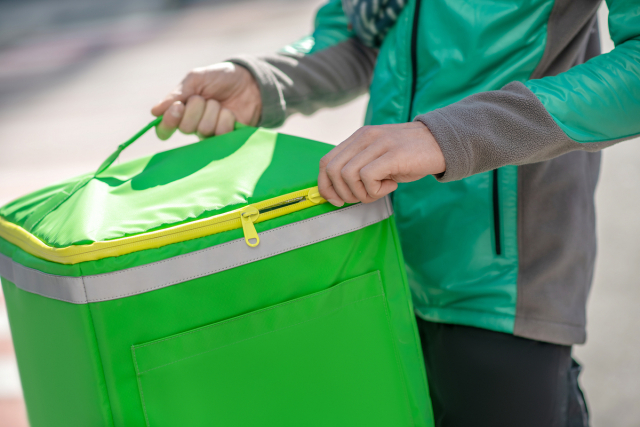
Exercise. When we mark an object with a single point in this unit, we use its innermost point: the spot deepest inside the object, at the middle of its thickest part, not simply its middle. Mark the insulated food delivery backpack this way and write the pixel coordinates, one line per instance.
(210, 285)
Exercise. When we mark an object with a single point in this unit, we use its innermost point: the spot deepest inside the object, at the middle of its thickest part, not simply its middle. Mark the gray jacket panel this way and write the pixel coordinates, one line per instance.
(556, 246)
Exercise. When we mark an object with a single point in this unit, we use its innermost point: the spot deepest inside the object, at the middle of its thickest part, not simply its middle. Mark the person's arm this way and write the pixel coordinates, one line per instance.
(328, 68)
(589, 107)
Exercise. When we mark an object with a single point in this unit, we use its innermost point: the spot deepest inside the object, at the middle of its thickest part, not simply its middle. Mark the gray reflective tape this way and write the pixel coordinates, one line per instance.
(63, 288)
(212, 260)
(160, 274)
(6, 267)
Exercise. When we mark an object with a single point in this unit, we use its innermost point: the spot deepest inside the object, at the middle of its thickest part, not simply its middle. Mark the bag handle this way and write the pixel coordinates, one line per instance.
(114, 156)
(66, 192)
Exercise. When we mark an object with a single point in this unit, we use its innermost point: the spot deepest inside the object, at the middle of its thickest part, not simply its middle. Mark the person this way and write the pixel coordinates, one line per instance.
(485, 122)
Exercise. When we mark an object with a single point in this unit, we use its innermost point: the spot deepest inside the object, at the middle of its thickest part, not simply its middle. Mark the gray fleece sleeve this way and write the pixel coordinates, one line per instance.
(304, 83)
(492, 129)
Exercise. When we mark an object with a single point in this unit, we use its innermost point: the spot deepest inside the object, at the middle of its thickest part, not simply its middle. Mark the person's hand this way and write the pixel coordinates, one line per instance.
(209, 101)
(371, 162)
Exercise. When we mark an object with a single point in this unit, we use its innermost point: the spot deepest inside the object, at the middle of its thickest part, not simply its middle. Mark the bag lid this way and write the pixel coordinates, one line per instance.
(196, 181)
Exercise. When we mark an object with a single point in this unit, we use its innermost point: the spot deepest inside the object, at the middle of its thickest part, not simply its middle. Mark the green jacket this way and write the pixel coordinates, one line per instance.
(505, 239)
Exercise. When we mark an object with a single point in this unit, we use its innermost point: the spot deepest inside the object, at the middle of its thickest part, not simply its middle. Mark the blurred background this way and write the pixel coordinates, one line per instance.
(78, 77)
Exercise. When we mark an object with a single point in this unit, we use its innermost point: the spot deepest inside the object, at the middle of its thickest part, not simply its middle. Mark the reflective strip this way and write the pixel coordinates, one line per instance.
(63, 288)
(6, 267)
(160, 274)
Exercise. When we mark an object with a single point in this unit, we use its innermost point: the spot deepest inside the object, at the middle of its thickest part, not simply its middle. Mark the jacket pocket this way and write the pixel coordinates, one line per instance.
(326, 359)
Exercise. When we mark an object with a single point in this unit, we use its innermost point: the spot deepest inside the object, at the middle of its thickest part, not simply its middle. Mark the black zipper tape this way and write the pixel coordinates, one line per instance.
(414, 57)
(414, 82)
(496, 213)
(283, 204)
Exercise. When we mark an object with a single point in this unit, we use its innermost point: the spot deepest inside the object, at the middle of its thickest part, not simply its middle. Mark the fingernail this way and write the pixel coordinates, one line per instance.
(335, 203)
(175, 112)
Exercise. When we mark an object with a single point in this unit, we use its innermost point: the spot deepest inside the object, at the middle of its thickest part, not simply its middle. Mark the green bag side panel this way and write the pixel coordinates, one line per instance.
(58, 359)
(196, 181)
(416, 381)
(123, 323)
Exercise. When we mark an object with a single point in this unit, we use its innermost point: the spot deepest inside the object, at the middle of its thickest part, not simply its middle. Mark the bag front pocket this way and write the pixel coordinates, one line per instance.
(326, 359)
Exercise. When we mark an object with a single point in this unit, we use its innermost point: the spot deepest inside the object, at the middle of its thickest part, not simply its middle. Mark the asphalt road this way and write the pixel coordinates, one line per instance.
(68, 98)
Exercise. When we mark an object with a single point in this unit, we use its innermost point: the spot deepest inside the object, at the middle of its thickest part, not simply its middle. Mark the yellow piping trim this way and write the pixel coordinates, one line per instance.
(155, 239)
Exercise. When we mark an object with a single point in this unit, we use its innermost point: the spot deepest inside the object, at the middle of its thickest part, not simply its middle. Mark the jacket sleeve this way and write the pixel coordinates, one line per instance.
(589, 107)
(328, 68)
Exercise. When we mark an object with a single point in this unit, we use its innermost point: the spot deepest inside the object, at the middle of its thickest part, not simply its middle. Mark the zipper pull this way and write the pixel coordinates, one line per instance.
(248, 215)
(314, 196)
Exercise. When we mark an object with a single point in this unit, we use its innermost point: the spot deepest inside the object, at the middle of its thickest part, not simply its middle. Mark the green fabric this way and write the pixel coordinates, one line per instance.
(332, 27)
(600, 99)
(62, 379)
(446, 229)
(273, 346)
(299, 274)
(36, 263)
(196, 181)
(466, 281)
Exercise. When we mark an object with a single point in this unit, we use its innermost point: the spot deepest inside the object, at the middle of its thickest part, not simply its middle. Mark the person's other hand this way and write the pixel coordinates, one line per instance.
(209, 101)
(371, 162)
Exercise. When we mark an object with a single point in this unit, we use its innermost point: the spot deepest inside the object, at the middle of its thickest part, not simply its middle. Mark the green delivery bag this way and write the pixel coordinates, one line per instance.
(210, 285)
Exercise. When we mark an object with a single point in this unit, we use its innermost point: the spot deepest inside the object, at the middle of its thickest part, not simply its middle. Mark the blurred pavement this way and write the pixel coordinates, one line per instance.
(69, 97)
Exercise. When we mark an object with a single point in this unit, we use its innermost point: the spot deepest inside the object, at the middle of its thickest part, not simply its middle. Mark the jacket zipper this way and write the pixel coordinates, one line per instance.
(414, 57)
(414, 82)
(496, 213)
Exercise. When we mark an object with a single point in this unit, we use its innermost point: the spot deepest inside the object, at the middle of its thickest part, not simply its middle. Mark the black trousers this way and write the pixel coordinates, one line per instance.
(483, 378)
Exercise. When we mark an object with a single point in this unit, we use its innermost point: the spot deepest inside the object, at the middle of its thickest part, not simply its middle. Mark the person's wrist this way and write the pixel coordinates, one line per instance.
(437, 163)
(251, 89)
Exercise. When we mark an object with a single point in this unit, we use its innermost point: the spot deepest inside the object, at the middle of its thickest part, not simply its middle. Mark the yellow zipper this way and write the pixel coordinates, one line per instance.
(273, 208)
(244, 217)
